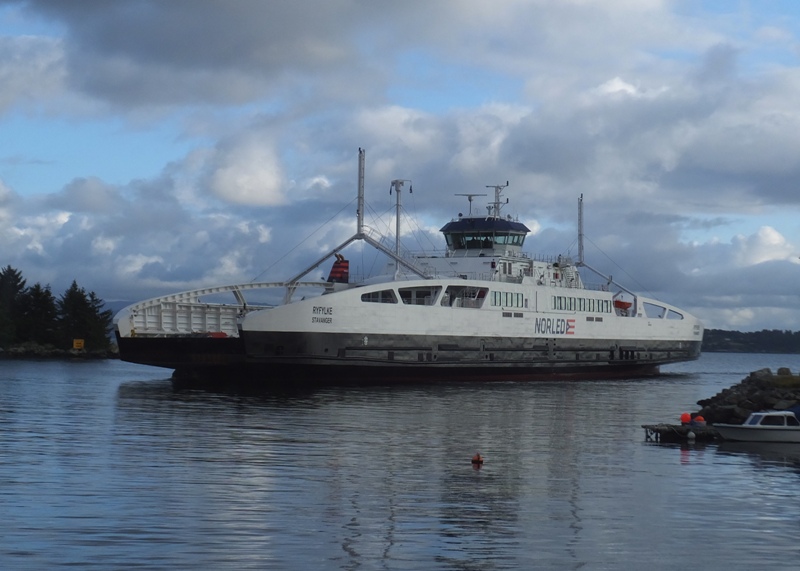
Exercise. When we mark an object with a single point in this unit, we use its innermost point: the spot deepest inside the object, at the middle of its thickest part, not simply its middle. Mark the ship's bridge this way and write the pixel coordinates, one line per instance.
(484, 236)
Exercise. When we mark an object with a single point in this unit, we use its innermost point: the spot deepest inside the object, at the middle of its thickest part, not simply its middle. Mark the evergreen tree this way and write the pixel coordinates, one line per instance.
(7, 331)
(11, 287)
(103, 322)
(38, 316)
(81, 316)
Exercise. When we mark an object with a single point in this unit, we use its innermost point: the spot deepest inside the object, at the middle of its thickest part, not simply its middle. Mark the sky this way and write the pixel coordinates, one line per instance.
(150, 147)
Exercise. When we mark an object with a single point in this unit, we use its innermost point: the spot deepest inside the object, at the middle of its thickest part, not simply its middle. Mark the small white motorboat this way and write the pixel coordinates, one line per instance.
(767, 426)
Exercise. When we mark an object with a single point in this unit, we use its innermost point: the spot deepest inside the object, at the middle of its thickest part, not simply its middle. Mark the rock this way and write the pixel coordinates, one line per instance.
(784, 404)
(761, 374)
(760, 390)
(769, 401)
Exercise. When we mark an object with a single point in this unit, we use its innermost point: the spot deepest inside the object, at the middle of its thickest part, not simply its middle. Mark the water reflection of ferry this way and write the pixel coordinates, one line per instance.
(481, 309)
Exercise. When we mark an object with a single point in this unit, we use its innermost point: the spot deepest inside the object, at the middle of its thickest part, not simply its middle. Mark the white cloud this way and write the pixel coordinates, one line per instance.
(249, 173)
(617, 85)
(765, 245)
(131, 265)
(264, 234)
(103, 245)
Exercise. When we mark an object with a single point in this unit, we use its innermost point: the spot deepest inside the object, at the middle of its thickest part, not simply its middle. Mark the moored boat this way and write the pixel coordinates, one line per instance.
(767, 426)
(482, 309)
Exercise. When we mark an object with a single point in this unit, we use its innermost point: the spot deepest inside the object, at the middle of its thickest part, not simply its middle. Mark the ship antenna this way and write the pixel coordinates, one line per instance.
(580, 230)
(494, 207)
(470, 197)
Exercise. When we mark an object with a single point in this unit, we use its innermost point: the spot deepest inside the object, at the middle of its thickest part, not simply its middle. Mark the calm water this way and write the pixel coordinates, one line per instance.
(105, 466)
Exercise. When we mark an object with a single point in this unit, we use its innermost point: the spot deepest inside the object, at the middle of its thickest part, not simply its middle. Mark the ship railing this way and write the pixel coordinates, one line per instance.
(477, 253)
(186, 318)
(596, 286)
(482, 276)
(505, 278)
(186, 313)
(388, 243)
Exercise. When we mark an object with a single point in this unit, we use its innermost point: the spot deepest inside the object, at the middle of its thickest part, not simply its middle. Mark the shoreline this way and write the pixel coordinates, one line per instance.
(37, 352)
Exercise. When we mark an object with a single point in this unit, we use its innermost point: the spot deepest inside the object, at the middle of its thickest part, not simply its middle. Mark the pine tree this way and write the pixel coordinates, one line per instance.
(81, 316)
(38, 316)
(11, 287)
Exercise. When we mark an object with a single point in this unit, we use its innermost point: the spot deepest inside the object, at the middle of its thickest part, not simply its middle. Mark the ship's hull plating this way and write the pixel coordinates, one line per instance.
(182, 352)
(466, 356)
(287, 358)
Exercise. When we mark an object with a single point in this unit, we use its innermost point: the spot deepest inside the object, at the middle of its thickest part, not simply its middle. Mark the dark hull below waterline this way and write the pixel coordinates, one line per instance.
(251, 375)
(182, 352)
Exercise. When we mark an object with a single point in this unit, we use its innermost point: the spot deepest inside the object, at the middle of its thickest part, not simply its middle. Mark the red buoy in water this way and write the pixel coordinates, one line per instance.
(477, 460)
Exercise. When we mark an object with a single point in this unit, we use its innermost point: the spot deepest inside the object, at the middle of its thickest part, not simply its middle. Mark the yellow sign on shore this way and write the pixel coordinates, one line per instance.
(77, 343)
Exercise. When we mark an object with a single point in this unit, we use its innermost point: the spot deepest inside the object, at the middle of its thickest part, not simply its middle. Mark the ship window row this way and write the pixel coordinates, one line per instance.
(653, 310)
(508, 299)
(453, 296)
(568, 303)
(480, 240)
(382, 296)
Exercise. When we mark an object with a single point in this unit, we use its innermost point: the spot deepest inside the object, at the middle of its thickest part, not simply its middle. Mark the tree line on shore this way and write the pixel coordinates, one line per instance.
(31, 316)
(764, 341)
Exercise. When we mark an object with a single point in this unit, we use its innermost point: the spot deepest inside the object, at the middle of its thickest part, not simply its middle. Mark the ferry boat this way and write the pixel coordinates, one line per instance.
(482, 309)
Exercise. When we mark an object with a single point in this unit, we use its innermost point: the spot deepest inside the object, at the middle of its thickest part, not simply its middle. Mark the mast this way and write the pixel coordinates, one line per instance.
(583, 264)
(470, 196)
(494, 207)
(580, 230)
(291, 284)
(397, 184)
(360, 225)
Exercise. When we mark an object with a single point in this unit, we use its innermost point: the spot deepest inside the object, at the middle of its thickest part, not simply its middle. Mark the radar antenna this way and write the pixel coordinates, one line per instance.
(494, 207)
(470, 197)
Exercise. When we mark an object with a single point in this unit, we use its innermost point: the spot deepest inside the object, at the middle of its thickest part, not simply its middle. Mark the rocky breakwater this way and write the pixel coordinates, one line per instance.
(760, 390)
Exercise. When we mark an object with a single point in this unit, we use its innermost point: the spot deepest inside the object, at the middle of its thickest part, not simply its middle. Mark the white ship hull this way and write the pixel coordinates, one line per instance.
(341, 330)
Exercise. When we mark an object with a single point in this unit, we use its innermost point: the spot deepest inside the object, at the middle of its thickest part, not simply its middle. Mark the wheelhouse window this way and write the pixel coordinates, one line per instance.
(479, 240)
(382, 296)
(510, 239)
